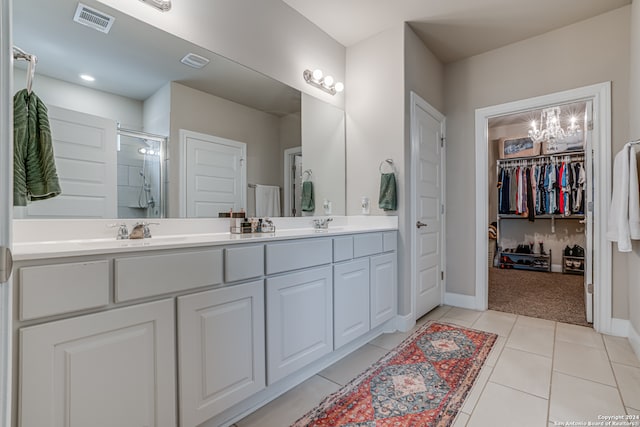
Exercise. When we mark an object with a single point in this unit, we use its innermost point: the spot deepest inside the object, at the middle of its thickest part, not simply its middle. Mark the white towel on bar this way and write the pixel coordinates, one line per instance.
(267, 200)
(624, 212)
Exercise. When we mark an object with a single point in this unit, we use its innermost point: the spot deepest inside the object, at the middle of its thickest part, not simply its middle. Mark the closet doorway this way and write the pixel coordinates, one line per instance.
(588, 227)
(539, 168)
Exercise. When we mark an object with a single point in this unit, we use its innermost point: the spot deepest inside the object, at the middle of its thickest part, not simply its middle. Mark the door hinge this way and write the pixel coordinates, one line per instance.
(590, 206)
(590, 288)
(442, 141)
(442, 275)
(442, 209)
(590, 125)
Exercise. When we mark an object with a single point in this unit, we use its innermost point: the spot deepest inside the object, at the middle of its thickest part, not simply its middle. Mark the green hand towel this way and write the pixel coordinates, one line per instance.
(388, 196)
(34, 168)
(307, 204)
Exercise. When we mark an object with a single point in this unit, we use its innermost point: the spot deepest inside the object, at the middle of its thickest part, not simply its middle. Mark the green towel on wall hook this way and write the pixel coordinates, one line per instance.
(388, 200)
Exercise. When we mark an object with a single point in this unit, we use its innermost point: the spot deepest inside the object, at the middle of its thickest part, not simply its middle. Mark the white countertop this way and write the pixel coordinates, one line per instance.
(40, 239)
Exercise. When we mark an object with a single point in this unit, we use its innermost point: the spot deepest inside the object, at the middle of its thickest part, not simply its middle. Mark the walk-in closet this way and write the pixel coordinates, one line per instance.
(539, 181)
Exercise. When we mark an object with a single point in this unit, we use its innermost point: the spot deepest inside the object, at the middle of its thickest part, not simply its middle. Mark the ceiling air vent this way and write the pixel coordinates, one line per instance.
(195, 61)
(93, 18)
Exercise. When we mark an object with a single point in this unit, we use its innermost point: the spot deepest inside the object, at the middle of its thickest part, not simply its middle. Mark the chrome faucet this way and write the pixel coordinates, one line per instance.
(123, 231)
(321, 223)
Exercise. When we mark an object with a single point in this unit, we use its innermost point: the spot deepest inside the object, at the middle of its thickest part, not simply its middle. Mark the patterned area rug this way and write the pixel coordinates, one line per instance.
(420, 383)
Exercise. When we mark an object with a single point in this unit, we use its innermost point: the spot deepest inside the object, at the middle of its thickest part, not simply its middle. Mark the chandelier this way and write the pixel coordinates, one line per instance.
(551, 131)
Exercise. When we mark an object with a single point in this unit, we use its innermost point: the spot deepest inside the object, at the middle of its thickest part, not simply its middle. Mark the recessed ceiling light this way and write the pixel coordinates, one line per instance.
(87, 77)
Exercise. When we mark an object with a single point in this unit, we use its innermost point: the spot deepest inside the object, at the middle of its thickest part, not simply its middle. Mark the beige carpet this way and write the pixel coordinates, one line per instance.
(552, 296)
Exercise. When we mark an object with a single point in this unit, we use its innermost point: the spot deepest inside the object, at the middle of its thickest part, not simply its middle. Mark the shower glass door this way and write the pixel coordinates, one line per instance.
(140, 174)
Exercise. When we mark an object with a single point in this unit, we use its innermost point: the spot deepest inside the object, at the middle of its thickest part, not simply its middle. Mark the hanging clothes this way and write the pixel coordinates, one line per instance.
(542, 187)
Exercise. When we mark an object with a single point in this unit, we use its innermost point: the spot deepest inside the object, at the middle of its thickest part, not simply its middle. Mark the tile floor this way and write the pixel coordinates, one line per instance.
(540, 373)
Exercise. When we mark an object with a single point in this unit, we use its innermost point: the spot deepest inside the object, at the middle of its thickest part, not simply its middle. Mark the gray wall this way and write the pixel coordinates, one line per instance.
(381, 71)
(585, 53)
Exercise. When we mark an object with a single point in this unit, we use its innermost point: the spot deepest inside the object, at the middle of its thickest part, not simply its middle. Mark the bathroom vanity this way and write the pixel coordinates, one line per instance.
(191, 330)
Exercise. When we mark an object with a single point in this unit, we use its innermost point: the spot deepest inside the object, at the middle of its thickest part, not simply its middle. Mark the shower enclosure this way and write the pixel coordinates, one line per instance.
(141, 166)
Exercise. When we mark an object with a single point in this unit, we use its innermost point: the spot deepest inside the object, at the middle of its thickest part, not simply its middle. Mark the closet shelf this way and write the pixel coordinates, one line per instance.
(574, 153)
(518, 261)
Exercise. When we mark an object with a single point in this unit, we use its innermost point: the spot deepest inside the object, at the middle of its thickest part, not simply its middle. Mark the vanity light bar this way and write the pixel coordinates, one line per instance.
(317, 79)
(161, 5)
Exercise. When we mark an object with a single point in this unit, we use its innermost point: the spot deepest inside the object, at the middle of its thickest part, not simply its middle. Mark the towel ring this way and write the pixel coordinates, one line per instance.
(386, 161)
(308, 173)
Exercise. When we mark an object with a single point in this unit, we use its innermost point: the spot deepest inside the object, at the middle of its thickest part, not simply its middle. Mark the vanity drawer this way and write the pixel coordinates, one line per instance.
(48, 290)
(342, 248)
(367, 244)
(244, 262)
(146, 276)
(390, 241)
(298, 254)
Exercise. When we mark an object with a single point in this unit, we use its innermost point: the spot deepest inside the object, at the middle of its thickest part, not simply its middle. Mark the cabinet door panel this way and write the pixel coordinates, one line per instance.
(115, 368)
(350, 301)
(221, 349)
(299, 320)
(383, 288)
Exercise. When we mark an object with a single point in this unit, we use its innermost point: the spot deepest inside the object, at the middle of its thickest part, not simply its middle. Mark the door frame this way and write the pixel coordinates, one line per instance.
(418, 102)
(600, 94)
(6, 207)
(289, 154)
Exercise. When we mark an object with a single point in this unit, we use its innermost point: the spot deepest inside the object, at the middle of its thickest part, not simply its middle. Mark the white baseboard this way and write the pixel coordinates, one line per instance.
(556, 268)
(634, 339)
(619, 327)
(459, 300)
(405, 323)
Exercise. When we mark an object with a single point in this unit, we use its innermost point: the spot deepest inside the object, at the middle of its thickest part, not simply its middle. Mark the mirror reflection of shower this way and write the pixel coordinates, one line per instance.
(140, 174)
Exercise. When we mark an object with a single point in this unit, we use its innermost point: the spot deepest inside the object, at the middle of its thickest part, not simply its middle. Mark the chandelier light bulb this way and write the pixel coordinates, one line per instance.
(339, 87)
(317, 75)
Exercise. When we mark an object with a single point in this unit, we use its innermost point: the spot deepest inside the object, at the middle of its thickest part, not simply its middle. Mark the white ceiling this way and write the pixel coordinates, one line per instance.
(451, 29)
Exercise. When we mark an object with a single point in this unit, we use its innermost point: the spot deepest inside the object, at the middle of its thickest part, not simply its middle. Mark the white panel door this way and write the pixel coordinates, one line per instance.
(350, 301)
(299, 320)
(221, 349)
(384, 289)
(213, 176)
(115, 368)
(427, 136)
(86, 161)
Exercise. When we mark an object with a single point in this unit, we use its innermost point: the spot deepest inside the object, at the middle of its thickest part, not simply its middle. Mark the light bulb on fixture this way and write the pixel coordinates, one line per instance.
(339, 87)
(317, 75)
(328, 81)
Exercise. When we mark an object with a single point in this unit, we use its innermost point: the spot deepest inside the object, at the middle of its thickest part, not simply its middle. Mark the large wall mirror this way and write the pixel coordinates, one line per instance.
(152, 136)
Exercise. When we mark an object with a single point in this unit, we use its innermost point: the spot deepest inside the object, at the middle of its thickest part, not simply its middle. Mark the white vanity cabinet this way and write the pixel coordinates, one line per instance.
(221, 349)
(98, 334)
(114, 368)
(350, 301)
(299, 320)
(383, 288)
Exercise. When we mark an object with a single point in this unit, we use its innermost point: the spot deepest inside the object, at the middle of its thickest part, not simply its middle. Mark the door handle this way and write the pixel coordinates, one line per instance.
(420, 224)
(6, 264)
